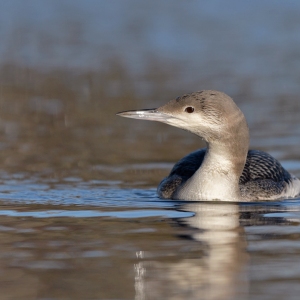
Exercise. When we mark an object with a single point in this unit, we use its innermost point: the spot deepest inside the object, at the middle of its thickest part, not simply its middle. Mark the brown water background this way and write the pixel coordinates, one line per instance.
(79, 215)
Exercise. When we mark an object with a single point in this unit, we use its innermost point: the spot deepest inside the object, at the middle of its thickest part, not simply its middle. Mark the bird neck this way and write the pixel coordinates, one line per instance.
(224, 161)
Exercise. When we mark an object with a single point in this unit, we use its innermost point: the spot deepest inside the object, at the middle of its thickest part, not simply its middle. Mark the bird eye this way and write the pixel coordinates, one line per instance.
(189, 109)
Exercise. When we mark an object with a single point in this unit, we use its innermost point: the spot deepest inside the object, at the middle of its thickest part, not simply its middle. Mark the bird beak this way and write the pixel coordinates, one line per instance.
(146, 114)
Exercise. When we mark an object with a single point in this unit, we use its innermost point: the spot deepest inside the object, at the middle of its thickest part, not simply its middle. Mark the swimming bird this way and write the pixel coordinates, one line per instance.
(225, 170)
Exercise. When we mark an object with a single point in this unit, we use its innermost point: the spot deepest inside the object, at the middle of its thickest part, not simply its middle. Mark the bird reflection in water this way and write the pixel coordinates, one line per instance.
(220, 273)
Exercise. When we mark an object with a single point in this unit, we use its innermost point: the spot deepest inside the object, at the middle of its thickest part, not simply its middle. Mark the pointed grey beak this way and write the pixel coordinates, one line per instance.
(145, 114)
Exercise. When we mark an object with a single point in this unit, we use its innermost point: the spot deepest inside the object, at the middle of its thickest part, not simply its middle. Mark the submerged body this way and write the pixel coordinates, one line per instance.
(226, 170)
(263, 178)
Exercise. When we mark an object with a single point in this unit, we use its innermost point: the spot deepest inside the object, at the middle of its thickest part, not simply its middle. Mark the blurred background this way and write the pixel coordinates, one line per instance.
(80, 218)
(66, 68)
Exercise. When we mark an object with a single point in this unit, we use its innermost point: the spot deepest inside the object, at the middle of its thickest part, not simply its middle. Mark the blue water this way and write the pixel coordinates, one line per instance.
(206, 39)
(75, 192)
(93, 213)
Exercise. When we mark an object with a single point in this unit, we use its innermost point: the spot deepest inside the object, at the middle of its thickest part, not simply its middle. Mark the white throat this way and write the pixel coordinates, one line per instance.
(216, 179)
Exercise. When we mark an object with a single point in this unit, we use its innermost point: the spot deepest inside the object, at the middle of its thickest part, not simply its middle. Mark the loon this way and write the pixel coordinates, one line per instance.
(225, 170)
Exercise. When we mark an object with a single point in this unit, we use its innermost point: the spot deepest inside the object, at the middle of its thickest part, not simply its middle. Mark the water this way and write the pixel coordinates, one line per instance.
(79, 215)
(86, 240)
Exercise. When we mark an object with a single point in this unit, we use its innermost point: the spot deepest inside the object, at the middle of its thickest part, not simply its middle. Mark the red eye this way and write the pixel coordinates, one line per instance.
(189, 109)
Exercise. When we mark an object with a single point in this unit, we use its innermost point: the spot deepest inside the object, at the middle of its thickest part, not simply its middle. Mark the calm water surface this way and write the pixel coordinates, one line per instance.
(76, 239)
(79, 215)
